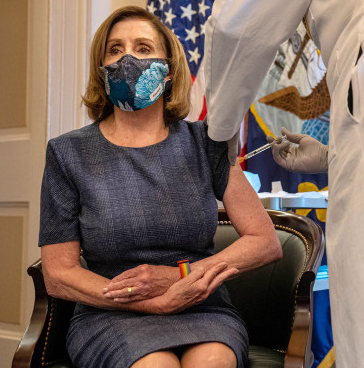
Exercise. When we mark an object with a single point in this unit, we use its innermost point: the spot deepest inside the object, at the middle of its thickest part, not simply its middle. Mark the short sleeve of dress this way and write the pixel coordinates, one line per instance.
(59, 202)
(217, 154)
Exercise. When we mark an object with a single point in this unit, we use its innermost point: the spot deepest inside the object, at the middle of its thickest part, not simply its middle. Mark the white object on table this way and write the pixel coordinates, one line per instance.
(283, 200)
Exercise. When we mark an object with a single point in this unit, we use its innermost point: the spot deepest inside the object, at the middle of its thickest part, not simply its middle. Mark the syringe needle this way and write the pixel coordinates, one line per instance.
(258, 150)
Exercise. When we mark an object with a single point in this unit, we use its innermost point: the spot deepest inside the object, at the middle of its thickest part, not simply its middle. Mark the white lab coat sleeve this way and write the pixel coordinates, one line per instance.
(242, 37)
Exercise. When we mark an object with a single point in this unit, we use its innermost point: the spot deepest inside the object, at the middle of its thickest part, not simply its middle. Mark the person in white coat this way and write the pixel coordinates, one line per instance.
(242, 37)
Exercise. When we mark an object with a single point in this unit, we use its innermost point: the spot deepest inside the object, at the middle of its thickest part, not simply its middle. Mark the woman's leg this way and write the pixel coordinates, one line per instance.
(209, 355)
(159, 359)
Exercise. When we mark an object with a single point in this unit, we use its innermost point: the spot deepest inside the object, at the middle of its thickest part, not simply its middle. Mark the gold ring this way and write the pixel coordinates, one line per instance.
(129, 291)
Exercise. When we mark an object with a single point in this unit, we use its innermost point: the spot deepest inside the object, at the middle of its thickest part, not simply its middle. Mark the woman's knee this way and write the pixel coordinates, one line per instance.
(209, 355)
(226, 361)
(159, 359)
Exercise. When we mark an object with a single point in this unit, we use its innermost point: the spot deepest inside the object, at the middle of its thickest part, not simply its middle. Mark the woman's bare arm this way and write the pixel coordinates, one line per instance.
(66, 279)
(259, 243)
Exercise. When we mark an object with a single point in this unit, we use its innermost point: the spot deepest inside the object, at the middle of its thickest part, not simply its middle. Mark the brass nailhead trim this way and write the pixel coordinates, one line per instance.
(52, 308)
(281, 351)
(302, 237)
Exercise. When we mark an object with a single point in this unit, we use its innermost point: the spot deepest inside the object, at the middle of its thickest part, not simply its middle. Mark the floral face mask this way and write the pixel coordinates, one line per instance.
(133, 84)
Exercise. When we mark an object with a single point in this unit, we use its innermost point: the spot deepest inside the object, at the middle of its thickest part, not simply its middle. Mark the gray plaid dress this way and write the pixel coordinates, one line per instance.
(130, 206)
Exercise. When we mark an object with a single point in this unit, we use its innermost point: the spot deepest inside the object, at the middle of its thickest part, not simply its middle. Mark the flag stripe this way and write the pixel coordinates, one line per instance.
(260, 121)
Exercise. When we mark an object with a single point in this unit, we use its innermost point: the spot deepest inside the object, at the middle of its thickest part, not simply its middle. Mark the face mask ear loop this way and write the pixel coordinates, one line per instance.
(166, 97)
(168, 85)
(165, 118)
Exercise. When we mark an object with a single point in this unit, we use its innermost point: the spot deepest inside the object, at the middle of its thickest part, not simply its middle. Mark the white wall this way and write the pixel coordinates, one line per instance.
(101, 9)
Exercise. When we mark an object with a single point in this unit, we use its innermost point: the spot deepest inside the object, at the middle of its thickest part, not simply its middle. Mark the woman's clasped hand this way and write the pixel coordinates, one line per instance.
(193, 289)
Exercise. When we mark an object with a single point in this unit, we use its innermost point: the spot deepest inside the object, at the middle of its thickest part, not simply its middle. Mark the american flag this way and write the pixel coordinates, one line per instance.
(187, 18)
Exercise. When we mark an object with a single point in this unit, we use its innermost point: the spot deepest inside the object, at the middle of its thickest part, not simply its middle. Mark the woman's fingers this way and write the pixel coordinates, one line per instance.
(220, 278)
(213, 278)
(125, 293)
(197, 286)
(151, 278)
(119, 285)
(196, 274)
(200, 284)
(140, 291)
(129, 294)
(213, 272)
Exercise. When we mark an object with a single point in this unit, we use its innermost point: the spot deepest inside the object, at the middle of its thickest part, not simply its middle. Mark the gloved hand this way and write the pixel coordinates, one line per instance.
(309, 157)
(234, 148)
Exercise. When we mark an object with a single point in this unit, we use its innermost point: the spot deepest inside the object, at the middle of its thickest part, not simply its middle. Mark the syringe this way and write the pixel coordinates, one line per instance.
(258, 150)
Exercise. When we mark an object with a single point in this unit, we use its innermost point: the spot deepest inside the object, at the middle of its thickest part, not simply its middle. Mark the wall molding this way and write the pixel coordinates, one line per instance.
(14, 205)
(9, 342)
(11, 335)
(69, 39)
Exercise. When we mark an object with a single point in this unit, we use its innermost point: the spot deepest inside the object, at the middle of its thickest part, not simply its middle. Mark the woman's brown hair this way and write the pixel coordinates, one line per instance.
(177, 99)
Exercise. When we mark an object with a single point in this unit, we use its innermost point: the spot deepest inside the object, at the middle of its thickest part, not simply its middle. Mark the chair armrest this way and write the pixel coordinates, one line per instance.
(299, 354)
(24, 353)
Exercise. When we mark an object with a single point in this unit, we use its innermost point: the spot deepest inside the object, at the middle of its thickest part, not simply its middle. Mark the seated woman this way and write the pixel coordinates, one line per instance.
(136, 190)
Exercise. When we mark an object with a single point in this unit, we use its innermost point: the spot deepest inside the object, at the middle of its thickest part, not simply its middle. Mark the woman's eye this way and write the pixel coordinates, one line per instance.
(114, 51)
(144, 50)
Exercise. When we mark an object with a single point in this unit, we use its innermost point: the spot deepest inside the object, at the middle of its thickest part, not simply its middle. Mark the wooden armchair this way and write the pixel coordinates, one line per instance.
(275, 302)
